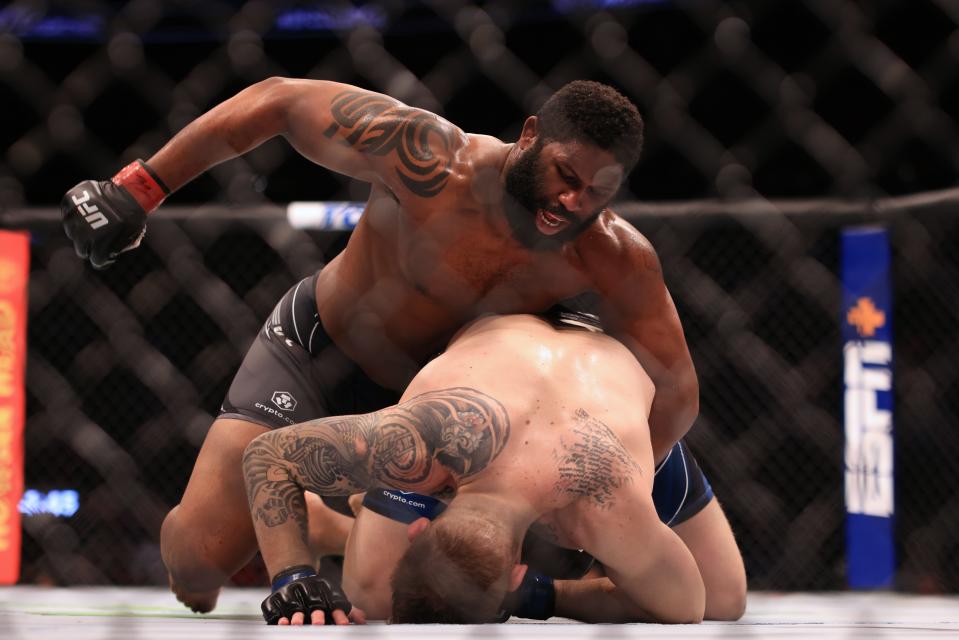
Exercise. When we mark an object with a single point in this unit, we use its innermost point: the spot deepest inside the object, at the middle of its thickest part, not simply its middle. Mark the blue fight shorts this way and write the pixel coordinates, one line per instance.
(680, 488)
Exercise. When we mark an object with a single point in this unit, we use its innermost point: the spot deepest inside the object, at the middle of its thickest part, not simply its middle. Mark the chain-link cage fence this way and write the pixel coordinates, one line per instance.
(744, 101)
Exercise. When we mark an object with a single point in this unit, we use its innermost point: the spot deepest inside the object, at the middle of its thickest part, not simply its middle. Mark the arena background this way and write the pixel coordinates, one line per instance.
(771, 126)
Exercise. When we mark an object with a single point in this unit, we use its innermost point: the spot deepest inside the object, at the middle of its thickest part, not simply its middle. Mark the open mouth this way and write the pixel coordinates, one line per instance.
(549, 223)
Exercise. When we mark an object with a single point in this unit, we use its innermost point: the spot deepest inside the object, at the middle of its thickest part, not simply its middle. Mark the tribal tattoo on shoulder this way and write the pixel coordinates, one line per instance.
(593, 464)
(460, 429)
(379, 126)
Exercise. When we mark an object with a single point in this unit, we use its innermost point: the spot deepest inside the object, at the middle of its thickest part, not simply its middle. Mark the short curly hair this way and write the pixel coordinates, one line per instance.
(597, 113)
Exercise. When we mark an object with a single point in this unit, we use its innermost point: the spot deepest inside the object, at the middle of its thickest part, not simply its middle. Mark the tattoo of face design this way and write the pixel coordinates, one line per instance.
(460, 429)
(594, 464)
(379, 125)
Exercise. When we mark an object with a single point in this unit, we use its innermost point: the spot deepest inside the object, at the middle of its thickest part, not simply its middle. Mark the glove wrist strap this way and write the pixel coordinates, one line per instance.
(287, 576)
(143, 184)
(538, 597)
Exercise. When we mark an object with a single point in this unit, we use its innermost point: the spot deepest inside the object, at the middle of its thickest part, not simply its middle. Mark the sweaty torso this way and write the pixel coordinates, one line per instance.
(578, 404)
(417, 269)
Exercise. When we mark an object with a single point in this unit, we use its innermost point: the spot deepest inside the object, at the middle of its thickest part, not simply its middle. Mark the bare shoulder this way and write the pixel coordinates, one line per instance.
(612, 249)
(603, 473)
(594, 463)
(478, 161)
(612, 242)
(354, 107)
(413, 148)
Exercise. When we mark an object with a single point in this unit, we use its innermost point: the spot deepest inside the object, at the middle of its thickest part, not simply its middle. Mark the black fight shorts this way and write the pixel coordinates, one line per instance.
(293, 372)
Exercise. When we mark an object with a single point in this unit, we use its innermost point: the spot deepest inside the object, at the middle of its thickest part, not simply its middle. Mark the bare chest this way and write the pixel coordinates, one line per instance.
(467, 268)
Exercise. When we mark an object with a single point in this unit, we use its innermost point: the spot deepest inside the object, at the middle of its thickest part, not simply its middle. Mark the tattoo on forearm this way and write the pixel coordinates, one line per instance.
(274, 498)
(595, 463)
(380, 126)
(460, 430)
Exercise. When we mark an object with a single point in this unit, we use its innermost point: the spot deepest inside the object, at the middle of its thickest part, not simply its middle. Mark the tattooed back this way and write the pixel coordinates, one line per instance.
(577, 404)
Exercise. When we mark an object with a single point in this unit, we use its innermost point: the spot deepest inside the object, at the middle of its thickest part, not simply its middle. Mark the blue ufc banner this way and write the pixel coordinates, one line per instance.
(867, 397)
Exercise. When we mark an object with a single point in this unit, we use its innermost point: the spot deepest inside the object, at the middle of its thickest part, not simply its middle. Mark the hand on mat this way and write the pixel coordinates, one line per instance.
(356, 616)
(310, 600)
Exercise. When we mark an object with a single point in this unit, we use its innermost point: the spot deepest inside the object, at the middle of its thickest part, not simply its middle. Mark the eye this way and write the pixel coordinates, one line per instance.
(567, 177)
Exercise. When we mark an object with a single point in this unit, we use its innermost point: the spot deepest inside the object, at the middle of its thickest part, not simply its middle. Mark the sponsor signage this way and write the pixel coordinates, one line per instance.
(867, 408)
(14, 271)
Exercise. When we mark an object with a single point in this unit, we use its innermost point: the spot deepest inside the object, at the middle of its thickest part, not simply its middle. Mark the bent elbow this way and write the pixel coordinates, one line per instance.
(256, 451)
(698, 613)
(272, 80)
(274, 88)
(727, 607)
(256, 114)
(689, 615)
(694, 613)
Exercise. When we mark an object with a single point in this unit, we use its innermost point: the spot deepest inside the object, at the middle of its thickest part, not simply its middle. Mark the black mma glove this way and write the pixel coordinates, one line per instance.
(535, 598)
(105, 218)
(300, 589)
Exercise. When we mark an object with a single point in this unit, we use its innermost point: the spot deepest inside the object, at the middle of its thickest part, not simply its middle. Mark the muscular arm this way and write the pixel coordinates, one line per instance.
(639, 311)
(423, 445)
(359, 133)
(652, 575)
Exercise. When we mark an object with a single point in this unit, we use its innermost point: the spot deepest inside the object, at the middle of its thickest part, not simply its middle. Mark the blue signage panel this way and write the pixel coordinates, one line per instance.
(867, 397)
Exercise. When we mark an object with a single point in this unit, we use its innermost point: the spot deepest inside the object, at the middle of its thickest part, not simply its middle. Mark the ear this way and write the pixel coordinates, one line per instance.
(528, 135)
(417, 527)
(516, 575)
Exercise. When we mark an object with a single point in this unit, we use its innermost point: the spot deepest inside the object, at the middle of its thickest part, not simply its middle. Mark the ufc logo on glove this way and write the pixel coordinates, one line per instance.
(89, 211)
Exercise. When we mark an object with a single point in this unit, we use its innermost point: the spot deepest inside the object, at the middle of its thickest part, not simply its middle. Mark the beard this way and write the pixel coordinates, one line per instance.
(524, 197)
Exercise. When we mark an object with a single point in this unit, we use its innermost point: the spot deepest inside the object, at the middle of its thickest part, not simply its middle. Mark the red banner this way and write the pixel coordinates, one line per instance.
(14, 272)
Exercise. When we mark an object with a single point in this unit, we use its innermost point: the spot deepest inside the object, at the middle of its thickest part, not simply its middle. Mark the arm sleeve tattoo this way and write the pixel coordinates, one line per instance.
(460, 430)
(380, 126)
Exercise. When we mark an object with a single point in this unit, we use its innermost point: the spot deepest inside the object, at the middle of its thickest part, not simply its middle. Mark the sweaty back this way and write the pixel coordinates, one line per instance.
(546, 376)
